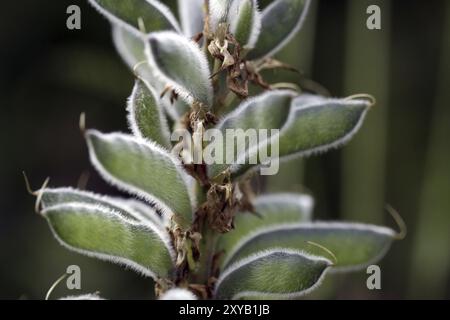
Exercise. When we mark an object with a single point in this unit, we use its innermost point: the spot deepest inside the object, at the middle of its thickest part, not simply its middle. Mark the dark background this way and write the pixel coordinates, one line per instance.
(49, 75)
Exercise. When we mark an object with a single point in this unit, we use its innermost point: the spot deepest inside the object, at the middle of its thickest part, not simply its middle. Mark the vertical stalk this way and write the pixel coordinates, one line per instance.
(208, 246)
(367, 71)
(430, 262)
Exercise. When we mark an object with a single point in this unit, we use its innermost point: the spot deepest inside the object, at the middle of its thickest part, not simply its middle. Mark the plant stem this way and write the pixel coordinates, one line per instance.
(208, 246)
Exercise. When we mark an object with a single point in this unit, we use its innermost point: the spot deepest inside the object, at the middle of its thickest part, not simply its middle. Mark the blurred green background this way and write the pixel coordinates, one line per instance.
(49, 75)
